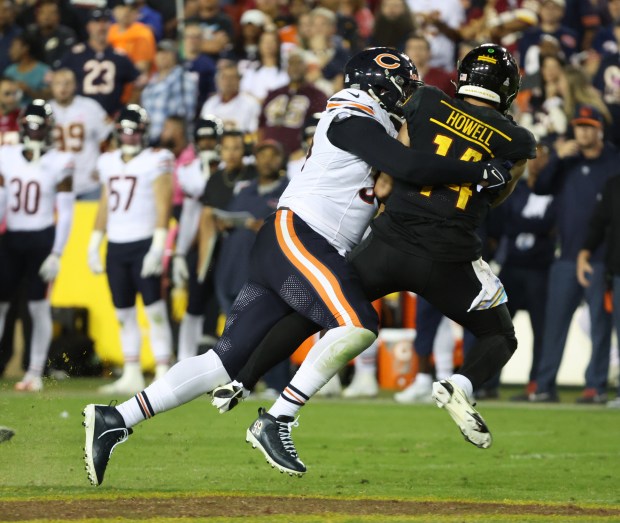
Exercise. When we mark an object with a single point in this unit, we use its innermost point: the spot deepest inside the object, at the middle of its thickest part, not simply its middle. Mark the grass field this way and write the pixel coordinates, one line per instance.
(367, 461)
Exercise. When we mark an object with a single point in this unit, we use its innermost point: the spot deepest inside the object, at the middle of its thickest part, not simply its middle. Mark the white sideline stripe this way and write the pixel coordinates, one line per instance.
(327, 287)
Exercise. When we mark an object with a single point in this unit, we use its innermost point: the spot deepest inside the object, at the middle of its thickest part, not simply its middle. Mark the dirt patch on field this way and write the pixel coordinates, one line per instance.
(231, 506)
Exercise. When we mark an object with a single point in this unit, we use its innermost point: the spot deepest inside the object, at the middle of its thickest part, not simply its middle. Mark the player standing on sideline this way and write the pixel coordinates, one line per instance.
(134, 210)
(193, 179)
(425, 242)
(37, 182)
(82, 126)
(298, 258)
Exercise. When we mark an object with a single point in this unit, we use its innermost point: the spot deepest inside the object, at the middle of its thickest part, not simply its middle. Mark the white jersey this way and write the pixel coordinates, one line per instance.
(240, 112)
(334, 193)
(80, 128)
(192, 178)
(132, 213)
(31, 186)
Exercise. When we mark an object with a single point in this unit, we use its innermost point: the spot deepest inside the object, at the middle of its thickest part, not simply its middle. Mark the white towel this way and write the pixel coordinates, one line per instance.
(492, 293)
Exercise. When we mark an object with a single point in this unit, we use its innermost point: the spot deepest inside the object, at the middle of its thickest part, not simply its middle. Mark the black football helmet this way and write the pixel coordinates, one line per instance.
(386, 74)
(132, 129)
(36, 123)
(209, 126)
(490, 73)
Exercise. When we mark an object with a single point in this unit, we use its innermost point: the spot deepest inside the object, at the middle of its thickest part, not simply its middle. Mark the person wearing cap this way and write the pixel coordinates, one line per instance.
(576, 175)
(133, 37)
(170, 91)
(109, 70)
(245, 46)
(550, 16)
(216, 25)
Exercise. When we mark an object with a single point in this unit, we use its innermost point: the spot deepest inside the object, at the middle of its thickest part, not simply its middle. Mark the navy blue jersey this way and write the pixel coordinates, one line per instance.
(440, 222)
(101, 76)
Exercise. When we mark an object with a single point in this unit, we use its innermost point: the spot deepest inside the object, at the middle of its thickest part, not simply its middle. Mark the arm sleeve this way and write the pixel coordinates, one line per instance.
(366, 138)
(188, 225)
(64, 209)
(599, 222)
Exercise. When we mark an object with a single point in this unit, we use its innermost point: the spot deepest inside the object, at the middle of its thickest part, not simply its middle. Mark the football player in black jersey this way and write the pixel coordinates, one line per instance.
(425, 241)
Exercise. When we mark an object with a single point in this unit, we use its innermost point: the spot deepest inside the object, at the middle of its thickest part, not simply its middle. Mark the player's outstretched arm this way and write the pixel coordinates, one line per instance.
(96, 237)
(367, 139)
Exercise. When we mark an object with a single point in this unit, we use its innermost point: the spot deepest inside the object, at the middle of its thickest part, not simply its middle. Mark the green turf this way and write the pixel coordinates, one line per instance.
(555, 454)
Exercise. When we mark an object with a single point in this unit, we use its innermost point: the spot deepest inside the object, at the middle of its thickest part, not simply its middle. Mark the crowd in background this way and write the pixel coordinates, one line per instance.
(265, 68)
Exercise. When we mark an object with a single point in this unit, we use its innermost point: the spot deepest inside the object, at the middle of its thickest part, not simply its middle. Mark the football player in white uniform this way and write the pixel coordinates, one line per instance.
(37, 181)
(193, 179)
(134, 210)
(82, 126)
(298, 262)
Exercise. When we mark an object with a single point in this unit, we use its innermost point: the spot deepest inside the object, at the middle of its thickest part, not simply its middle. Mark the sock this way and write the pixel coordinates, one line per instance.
(366, 362)
(190, 332)
(130, 334)
(159, 332)
(443, 350)
(464, 383)
(184, 382)
(4, 309)
(41, 314)
(325, 359)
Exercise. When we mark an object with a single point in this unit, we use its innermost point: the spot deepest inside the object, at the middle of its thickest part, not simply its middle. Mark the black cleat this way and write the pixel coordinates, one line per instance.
(6, 434)
(273, 437)
(105, 428)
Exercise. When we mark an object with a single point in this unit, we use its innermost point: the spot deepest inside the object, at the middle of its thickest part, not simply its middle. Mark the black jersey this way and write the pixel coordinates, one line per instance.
(440, 222)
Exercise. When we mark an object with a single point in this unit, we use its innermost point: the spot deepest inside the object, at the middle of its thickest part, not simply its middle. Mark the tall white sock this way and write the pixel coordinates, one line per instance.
(190, 332)
(41, 314)
(325, 359)
(366, 362)
(443, 350)
(464, 383)
(130, 334)
(159, 332)
(4, 309)
(185, 381)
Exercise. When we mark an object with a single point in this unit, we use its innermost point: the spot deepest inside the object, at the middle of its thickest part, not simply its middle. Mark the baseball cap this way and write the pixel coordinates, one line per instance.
(277, 146)
(588, 115)
(167, 45)
(99, 14)
(254, 17)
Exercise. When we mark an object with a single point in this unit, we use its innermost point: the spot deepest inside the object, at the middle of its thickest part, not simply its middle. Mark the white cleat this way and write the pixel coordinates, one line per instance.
(331, 389)
(363, 385)
(228, 396)
(125, 385)
(448, 395)
(417, 392)
(29, 384)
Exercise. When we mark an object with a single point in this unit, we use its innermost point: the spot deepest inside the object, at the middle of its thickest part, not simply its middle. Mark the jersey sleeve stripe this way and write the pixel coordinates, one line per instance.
(350, 105)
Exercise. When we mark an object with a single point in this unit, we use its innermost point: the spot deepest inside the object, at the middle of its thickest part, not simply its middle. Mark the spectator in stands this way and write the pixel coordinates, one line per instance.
(526, 224)
(290, 33)
(56, 39)
(82, 128)
(8, 30)
(286, 110)
(550, 15)
(584, 19)
(217, 27)
(27, 69)
(607, 81)
(133, 37)
(605, 40)
(326, 47)
(9, 111)
(170, 91)
(236, 110)
(439, 21)
(576, 175)
(605, 222)
(419, 50)
(101, 71)
(393, 24)
(151, 18)
(174, 138)
(245, 46)
(346, 26)
(197, 62)
(364, 19)
(267, 74)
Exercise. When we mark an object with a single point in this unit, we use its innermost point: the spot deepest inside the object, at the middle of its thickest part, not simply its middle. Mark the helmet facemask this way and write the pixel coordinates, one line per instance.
(36, 126)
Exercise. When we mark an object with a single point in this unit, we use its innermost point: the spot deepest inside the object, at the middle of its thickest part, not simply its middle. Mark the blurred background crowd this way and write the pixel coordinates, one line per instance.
(261, 71)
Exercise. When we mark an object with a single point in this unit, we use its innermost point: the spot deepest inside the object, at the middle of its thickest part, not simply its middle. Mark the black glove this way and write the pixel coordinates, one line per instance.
(496, 173)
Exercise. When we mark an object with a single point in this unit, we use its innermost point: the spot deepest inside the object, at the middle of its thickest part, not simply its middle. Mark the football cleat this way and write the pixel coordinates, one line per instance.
(448, 395)
(228, 396)
(29, 384)
(363, 385)
(272, 436)
(418, 392)
(105, 428)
